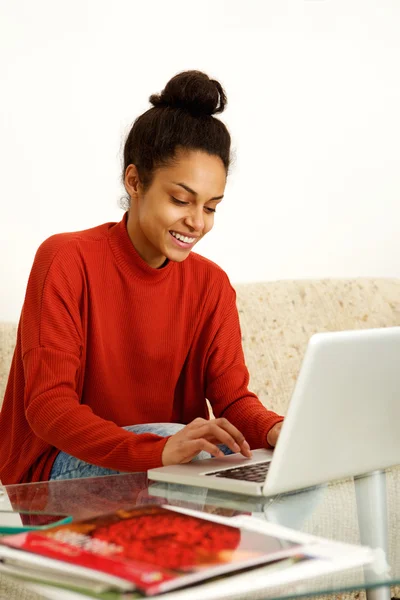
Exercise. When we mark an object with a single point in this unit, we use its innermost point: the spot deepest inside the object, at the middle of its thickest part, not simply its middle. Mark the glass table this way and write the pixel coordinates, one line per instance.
(362, 510)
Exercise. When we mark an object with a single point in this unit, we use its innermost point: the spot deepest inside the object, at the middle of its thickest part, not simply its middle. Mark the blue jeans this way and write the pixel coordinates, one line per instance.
(66, 466)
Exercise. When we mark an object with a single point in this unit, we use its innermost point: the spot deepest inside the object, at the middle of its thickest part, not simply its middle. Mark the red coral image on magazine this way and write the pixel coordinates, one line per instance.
(171, 540)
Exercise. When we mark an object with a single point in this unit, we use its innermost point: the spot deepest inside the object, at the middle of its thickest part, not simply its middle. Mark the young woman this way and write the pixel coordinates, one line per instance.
(125, 331)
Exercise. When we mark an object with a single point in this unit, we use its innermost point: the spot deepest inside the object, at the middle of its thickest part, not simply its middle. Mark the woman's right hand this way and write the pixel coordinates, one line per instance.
(201, 434)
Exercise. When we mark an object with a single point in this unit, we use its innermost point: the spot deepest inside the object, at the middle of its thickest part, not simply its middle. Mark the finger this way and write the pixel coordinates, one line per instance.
(231, 429)
(223, 432)
(237, 436)
(197, 422)
(192, 447)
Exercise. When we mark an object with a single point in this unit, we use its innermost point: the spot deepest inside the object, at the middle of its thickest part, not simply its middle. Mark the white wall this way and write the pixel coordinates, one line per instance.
(314, 97)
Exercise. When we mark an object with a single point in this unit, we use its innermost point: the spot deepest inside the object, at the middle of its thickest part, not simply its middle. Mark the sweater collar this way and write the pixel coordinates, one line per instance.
(128, 258)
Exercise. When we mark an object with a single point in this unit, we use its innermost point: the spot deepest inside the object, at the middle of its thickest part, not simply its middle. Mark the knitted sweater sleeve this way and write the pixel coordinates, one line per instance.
(52, 349)
(227, 375)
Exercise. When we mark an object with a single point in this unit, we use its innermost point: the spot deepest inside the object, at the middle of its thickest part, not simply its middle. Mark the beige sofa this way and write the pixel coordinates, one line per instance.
(277, 319)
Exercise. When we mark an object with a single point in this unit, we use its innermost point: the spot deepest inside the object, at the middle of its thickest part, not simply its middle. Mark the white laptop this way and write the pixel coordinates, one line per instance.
(343, 420)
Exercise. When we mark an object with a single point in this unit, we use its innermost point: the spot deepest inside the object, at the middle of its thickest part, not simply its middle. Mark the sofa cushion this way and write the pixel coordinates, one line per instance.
(278, 318)
(8, 334)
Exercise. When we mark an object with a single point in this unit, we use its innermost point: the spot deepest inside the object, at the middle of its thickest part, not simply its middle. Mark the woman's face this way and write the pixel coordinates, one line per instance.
(178, 209)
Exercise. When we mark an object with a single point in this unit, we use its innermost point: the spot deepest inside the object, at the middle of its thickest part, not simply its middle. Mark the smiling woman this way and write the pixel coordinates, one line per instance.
(175, 185)
(125, 332)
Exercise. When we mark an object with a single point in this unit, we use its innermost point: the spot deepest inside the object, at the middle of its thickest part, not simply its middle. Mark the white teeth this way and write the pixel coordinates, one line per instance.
(183, 238)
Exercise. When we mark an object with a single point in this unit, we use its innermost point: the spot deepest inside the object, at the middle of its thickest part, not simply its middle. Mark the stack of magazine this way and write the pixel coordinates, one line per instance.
(173, 552)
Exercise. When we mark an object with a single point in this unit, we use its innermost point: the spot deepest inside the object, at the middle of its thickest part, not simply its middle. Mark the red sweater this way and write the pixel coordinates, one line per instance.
(105, 341)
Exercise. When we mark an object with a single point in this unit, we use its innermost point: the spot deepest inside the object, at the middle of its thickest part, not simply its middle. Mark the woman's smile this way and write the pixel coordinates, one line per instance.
(185, 242)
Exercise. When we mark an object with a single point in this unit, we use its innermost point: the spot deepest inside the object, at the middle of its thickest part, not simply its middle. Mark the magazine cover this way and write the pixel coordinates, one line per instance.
(155, 548)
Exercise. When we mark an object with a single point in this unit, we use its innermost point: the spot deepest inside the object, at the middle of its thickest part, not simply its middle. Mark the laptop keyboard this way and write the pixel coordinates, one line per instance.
(256, 472)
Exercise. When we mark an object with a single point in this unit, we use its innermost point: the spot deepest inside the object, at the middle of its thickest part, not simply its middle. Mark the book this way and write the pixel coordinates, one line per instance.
(153, 549)
(53, 588)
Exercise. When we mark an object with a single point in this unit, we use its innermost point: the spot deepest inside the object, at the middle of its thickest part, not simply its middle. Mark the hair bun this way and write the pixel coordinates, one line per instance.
(193, 91)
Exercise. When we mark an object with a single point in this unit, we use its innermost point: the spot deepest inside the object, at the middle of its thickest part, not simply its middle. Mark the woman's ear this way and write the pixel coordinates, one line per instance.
(132, 181)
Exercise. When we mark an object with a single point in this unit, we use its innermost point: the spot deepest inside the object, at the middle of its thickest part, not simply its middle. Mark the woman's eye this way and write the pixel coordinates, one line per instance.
(208, 209)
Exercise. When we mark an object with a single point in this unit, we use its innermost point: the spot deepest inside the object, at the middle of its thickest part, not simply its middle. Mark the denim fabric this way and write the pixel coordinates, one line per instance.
(69, 467)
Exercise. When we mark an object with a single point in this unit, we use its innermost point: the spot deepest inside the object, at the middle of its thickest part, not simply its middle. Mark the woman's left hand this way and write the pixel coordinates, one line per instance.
(273, 434)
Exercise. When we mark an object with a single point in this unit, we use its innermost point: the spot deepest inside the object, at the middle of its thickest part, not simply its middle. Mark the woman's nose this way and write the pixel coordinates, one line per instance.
(195, 220)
